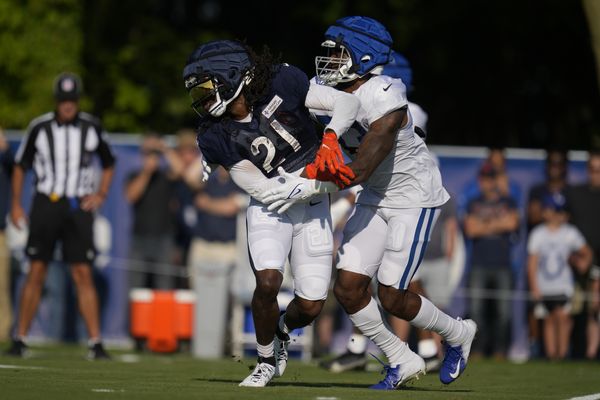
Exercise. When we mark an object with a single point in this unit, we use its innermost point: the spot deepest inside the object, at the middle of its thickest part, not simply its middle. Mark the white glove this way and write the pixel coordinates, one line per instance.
(206, 170)
(291, 191)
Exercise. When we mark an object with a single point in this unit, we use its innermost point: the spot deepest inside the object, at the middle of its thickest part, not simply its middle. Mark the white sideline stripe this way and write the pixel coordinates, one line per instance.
(325, 398)
(8, 366)
(594, 396)
(108, 390)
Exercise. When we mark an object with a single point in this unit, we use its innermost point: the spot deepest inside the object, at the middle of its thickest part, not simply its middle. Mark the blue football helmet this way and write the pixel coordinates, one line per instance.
(215, 74)
(356, 46)
(399, 67)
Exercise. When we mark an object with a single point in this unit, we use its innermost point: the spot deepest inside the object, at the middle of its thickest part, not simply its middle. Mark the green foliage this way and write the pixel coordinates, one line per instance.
(38, 40)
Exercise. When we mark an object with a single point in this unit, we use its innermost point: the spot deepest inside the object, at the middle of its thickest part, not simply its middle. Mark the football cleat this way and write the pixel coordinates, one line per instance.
(346, 362)
(18, 348)
(401, 374)
(96, 351)
(280, 346)
(261, 376)
(456, 357)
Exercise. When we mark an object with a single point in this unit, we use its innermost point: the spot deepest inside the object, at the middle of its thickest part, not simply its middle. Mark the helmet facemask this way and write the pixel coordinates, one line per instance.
(336, 66)
(208, 94)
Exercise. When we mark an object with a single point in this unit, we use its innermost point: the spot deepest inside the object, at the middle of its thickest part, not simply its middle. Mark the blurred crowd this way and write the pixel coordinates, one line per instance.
(183, 230)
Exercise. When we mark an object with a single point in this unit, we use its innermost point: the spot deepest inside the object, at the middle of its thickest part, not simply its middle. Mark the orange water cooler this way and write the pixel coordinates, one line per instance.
(162, 319)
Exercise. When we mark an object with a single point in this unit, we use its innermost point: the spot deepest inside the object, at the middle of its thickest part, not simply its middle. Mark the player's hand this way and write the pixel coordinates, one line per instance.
(206, 170)
(292, 190)
(342, 178)
(329, 156)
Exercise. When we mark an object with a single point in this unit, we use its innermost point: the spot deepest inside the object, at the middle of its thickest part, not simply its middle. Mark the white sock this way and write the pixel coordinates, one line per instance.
(427, 348)
(433, 319)
(282, 326)
(370, 323)
(357, 343)
(265, 351)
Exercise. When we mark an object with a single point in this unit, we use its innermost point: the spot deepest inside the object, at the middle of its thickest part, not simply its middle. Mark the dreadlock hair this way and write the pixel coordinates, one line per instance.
(265, 66)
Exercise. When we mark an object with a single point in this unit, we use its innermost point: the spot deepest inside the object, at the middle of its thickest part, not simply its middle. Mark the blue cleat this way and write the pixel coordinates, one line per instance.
(456, 357)
(401, 374)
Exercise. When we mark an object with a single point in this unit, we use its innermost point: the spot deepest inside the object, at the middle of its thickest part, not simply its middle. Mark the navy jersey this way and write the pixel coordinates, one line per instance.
(281, 132)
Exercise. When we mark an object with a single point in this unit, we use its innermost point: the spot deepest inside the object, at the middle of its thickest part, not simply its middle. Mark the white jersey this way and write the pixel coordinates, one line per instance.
(553, 247)
(408, 177)
(419, 116)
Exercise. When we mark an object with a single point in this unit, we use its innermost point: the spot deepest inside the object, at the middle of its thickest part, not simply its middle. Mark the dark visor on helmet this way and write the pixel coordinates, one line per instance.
(201, 94)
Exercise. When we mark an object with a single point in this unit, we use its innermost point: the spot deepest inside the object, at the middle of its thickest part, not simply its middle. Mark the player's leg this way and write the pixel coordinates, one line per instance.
(427, 346)
(311, 263)
(408, 234)
(269, 243)
(79, 252)
(359, 258)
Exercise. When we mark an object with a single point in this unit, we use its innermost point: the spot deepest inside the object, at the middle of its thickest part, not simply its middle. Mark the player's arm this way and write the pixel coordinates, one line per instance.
(377, 144)
(251, 179)
(345, 107)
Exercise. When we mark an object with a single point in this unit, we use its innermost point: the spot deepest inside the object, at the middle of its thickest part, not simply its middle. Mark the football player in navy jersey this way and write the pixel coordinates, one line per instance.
(254, 120)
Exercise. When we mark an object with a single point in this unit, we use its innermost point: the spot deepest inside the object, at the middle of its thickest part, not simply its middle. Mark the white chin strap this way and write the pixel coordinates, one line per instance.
(218, 109)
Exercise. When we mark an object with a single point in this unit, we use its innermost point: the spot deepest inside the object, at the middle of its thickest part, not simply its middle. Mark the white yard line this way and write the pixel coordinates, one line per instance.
(8, 366)
(595, 396)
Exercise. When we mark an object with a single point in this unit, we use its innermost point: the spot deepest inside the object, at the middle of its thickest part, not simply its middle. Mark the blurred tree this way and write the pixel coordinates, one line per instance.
(503, 72)
(592, 12)
(38, 40)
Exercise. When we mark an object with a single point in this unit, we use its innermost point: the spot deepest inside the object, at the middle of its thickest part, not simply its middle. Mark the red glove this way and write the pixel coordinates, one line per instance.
(329, 154)
(341, 180)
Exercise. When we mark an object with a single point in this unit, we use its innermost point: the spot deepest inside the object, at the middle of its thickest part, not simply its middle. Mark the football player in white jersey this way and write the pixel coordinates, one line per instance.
(390, 227)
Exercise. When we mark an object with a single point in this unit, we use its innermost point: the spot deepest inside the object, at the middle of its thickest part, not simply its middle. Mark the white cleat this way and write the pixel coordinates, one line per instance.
(402, 374)
(260, 377)
(280, 346)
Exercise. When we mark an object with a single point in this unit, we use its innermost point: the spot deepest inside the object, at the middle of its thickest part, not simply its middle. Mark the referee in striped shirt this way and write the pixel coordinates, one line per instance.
(59, 147)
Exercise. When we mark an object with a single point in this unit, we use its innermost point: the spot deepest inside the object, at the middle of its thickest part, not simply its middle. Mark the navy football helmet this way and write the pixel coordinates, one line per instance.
(215, 74)
(356, 46)
(399, 67)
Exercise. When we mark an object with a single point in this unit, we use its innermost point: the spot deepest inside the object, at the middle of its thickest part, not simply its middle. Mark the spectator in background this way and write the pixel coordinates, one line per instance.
(491, 219)
(551, 246)
(506, 186)
(583, 201)
(555, 183)
(185, 191)
(6, 166)
(211, 258)
(59, 147)
(151, 191)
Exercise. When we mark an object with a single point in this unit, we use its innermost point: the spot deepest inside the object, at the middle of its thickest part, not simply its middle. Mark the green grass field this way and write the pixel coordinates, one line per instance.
(61, 372)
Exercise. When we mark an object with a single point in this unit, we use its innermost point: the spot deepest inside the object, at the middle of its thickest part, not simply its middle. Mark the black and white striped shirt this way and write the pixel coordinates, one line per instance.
(61, 155)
